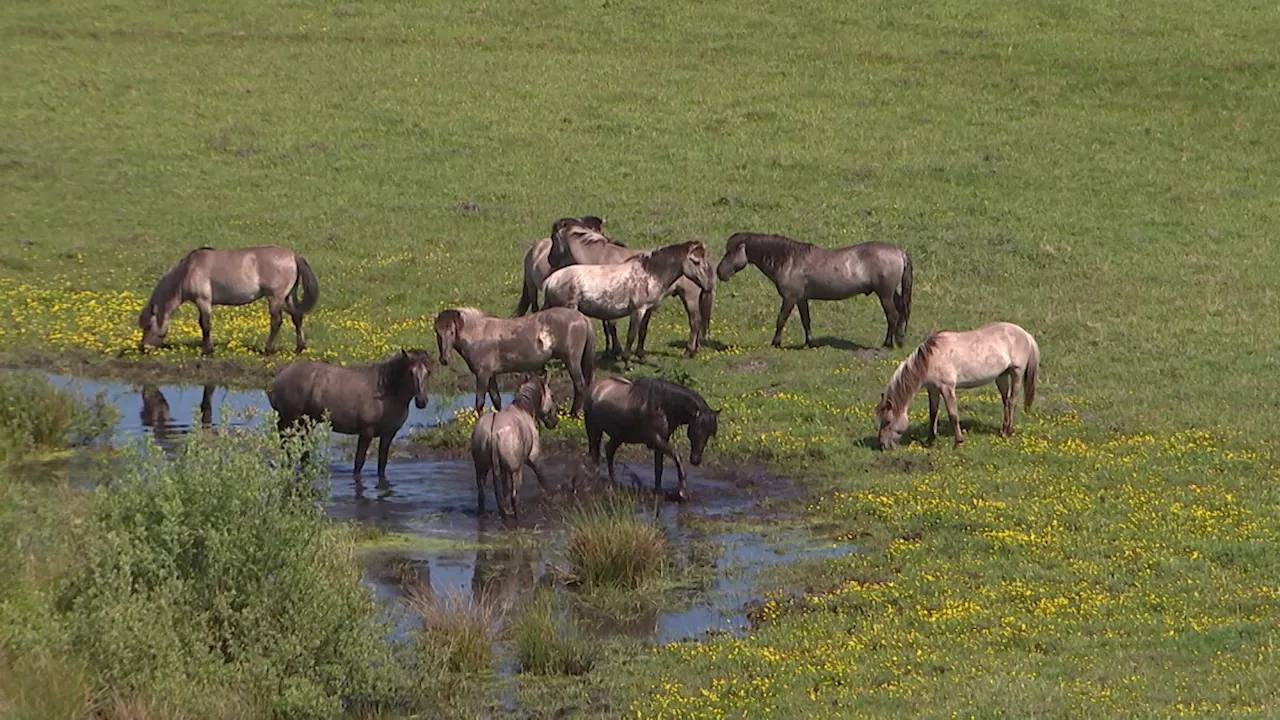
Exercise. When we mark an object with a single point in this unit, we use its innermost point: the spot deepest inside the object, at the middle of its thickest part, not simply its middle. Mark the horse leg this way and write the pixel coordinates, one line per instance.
(644, 333)
(695, 324)
(594, 434)
(934, 397)
(574, 366)
(539, 473)
(513, 491)
(783, 313)
(362, 449)
(657, 470)
(612, 348)
(949, 397)
(660, 448)
(494, 395)
(298, 332)
(384, 449)
(499, 490)
(611, 449)
(1008, 385)
(480, 475)
(482, 384)
(890, 317)
(206, 325)
(275, 307)
(804, 320)
(633, 330)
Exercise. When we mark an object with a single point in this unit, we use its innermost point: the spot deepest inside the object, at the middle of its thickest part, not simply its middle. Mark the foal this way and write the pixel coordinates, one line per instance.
(947, 360)
(503, 442)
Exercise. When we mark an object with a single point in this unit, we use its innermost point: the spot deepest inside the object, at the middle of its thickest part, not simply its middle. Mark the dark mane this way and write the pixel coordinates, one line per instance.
(770, 252)
(907, 378)
(167, 286)
(680, 402)
(529, 395)
(393, 371)
(587, 230)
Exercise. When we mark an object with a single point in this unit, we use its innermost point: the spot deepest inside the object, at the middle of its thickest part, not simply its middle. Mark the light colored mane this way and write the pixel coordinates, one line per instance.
(468, 312)
(910, 373)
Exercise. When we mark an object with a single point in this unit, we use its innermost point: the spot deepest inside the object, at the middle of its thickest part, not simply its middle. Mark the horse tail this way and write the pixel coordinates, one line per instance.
(1029, 374)
(705, 301)
(310, 286)
(528, 298)
(495, 467)
(903, 301)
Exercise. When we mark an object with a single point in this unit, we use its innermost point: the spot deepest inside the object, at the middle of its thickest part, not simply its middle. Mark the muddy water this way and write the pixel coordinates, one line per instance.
(428, 508)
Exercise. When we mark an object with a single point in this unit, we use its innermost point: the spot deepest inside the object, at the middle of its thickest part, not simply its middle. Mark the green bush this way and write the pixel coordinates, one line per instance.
(214, 570)
(35, 415)
(609, 547)
(551, 643)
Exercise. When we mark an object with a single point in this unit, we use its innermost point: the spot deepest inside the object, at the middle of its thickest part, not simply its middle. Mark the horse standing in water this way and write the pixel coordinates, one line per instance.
(209, 277)
(576, 243)
(802, 272)
(647, 411)
(632, 288)
(537, 266)
(491, 346)
(947, 360)
(367, 401)
(503, 442)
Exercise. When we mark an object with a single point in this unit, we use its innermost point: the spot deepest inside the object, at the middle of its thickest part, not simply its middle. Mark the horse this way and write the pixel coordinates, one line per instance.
(238, 276)
(576, 244)
(946, 360)
(537, 268)
(503, 442)
(491, 346)
(802, 272)
(632, 288)
(646, 411)
(363, 400)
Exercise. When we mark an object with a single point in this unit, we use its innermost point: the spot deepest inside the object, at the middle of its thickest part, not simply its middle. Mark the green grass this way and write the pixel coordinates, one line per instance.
(1099, 173)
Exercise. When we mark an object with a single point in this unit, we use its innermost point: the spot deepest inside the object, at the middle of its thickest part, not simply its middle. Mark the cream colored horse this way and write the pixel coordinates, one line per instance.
(1001, 352)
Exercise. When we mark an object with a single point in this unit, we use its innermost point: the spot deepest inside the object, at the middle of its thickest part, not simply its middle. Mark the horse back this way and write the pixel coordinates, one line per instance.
(311, 388)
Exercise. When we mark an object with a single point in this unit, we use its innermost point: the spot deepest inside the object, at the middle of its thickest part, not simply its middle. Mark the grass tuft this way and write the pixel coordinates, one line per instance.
(551, 643)
(458, 632)
(609, 547)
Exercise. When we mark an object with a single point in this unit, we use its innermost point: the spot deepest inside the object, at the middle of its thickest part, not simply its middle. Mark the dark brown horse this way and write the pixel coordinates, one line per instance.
(802, 272)
(364, 400)
(492, 346)
(209, 277)
(574, 242)
(647, 411)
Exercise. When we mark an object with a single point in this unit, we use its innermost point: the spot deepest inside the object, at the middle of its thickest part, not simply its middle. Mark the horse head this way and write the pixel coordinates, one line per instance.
(561, 253)
(701, 429)
(735, 256)
(893, 422)
(448, 326)
(418, 368)
(697, 267)
(546, 403)
(154, 326)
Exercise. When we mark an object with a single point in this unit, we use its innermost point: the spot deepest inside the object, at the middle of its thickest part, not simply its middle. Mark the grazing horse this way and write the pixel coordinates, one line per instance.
(491, 346)
(239, 276)
(632, 288)
(363, 400)
(503, 442)
(578, 244)
(802, 272)
(537, 267)
(946, 360)
(647, 411)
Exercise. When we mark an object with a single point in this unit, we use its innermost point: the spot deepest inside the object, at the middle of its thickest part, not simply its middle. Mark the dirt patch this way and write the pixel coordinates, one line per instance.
(891, 462)
(870, 353)
(749, 366)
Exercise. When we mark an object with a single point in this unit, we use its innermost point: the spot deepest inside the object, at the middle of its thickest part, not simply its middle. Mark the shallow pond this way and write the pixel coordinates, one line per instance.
(428, 509)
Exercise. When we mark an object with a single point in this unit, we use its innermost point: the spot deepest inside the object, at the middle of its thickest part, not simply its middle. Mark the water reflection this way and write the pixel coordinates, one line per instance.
(156, 414)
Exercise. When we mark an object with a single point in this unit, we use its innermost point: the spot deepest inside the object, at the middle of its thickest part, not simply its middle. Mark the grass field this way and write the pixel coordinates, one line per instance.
(1100, 173)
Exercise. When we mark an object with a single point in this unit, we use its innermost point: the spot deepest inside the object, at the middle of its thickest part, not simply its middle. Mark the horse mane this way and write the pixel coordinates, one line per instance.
(771, 252)
(657, 393)
(588, 231)
(907, 377)
(459, 315)
(529, 395)
(666, 257)
(167, 286)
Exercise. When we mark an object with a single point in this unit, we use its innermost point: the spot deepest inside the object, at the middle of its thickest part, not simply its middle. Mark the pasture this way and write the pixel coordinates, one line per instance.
(1098, 173)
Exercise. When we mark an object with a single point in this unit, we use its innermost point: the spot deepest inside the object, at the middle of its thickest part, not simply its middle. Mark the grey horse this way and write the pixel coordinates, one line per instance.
(503, 442)
(631, 288)
(647, 411)
(364, 400)
(537, 266)
(208, 277)
(802, 272)
(491, 346)
(576, 243)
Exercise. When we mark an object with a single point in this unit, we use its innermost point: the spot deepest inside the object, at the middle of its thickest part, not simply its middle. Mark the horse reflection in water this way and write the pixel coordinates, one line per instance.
(155, 413)
(503, 574)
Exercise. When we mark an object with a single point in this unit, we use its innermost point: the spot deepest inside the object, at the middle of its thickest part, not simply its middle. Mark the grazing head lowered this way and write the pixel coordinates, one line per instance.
(893, 423)
(154, 327)
(701, 430)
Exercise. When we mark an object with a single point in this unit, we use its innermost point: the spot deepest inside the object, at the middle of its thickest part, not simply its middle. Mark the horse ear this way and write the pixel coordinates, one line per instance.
(404, 354)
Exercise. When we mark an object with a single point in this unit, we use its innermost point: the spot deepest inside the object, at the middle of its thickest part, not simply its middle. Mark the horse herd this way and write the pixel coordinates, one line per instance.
(581, 274)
